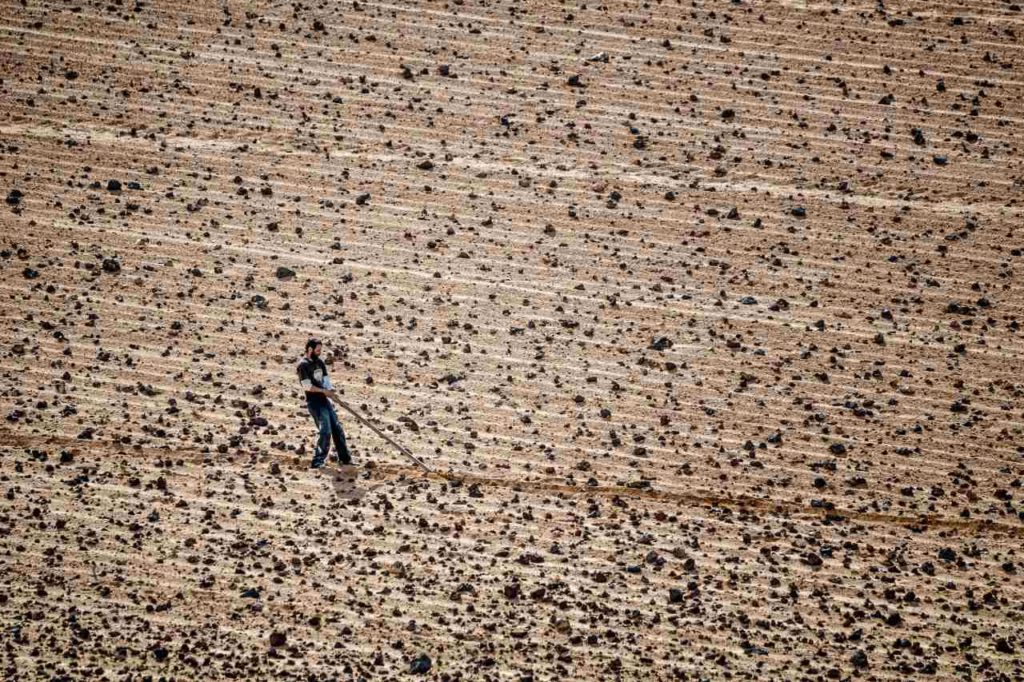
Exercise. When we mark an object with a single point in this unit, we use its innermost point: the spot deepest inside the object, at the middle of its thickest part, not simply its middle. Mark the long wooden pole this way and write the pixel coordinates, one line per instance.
(401, 448)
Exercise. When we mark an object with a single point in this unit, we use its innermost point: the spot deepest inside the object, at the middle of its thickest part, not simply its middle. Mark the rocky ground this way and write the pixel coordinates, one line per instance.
(706, 316)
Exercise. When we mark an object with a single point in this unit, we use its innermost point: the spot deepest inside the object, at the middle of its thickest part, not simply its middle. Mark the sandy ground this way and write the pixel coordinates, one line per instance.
(705, 315)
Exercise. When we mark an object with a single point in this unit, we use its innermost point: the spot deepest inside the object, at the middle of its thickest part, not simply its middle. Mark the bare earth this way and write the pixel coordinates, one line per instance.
(706, 316)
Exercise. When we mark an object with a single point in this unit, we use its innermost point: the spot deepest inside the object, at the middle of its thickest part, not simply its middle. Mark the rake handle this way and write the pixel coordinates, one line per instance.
(401, 448)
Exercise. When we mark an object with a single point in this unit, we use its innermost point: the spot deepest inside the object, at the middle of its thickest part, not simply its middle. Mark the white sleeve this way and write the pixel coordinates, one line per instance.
(306, 384)
(326, 383)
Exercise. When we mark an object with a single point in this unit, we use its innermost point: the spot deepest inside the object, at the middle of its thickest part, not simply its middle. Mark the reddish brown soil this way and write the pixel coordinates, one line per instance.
(706, 316)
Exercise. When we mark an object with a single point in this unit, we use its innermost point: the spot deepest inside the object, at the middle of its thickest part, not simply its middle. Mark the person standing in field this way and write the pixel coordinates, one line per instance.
(315, 382)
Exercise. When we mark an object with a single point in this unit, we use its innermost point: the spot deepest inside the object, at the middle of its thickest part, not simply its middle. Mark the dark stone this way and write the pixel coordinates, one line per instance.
(675, 595)
(420, 664)
(362, 198)
(111, 265)
(284, 272)
(799, 212)
(661, 343)
(956, 309)
(426, 164)
(728, 114)
(14, 197)
(278, 639)
(113, 185)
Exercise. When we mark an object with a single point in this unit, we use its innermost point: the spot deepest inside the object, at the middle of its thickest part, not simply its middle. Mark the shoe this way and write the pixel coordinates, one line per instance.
(318, 463)
(343, 459)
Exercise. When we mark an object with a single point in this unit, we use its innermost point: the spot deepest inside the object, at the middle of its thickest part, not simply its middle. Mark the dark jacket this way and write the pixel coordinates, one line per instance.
(312, 372)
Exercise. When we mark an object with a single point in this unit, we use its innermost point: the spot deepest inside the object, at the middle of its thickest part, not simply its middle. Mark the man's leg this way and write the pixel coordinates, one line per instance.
(323, 441)
(340, 447)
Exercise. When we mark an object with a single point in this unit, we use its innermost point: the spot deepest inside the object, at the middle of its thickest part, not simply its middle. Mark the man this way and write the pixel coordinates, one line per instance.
(313, 378)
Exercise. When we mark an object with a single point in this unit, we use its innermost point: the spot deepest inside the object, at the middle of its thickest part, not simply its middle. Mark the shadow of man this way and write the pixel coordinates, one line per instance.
(345, 484)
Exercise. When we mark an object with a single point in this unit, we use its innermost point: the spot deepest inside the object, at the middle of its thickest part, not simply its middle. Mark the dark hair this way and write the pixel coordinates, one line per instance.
(312, 343)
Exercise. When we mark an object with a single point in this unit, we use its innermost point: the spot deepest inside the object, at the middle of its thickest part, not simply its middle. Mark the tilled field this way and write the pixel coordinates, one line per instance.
(705, 315)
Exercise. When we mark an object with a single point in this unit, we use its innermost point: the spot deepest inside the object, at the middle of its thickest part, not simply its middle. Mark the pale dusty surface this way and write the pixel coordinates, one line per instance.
(680, 431)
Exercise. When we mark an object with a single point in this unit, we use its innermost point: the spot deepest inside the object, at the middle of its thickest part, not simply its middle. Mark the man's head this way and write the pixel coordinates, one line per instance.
(313, 347)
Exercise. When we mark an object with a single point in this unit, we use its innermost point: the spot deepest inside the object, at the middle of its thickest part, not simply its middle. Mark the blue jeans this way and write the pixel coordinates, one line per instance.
(329, 427)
